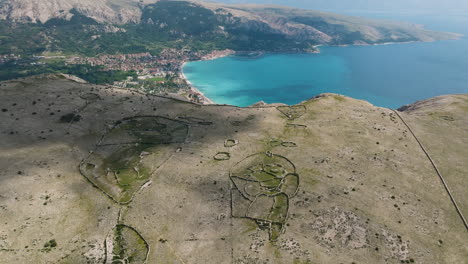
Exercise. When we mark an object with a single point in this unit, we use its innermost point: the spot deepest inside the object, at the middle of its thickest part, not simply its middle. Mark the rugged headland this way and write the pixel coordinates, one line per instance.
(95, 174)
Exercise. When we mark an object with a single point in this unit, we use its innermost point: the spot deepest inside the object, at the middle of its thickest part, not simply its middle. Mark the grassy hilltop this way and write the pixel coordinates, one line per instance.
(93, 174)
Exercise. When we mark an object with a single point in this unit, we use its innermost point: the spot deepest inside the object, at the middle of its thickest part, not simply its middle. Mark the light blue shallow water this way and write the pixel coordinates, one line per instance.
(386, 75)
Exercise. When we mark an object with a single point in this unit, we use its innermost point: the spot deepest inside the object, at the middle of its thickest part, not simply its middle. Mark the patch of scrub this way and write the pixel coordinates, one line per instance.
(125, 245)
(220, 156)
(130, 153)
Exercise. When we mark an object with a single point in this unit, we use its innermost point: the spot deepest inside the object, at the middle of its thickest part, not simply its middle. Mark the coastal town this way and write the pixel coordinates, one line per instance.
(159, 74)
(156, 74)
(9, 57)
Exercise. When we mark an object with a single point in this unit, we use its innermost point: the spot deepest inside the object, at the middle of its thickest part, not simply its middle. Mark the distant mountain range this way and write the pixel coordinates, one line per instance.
(113, 26)
(409, 6)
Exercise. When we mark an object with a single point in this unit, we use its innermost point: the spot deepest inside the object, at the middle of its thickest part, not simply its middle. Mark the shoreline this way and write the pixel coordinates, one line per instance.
(217, 54)
(257, 54)
(193, 89)
(380, 44)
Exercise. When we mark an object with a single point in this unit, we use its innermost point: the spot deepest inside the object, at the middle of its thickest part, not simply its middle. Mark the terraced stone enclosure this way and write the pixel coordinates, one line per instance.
(94, 174)
(263, 185)
(125, 245)
(130, 153)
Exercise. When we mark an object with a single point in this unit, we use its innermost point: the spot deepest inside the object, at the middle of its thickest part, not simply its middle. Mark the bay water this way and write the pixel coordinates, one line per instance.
(385, 75)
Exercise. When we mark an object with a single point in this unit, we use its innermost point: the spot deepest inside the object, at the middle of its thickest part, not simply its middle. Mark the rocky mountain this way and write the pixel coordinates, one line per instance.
(95, 174)
(56, 25)
(42, 11)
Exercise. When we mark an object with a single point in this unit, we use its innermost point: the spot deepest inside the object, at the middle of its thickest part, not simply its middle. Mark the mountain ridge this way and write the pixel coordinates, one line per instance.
(211, 25)
(75, 191)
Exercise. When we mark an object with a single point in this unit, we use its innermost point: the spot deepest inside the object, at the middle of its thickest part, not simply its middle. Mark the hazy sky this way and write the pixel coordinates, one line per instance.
(437, 6)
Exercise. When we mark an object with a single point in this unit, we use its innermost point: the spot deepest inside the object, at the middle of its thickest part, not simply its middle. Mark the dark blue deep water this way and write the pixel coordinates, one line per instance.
(385, 75)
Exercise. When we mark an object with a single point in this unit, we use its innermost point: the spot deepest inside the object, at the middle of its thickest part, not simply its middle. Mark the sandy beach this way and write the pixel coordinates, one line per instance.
(206, 100)
(211, 56)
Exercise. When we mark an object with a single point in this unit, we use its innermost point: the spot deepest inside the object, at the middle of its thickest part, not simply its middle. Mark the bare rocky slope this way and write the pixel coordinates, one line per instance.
(42, 11)
(94, 174)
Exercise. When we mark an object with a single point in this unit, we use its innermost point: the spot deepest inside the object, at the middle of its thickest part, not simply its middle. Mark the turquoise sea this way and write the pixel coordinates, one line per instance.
(385, 75)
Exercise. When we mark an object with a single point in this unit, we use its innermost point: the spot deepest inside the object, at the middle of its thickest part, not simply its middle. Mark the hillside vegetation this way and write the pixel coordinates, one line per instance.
(127, 26)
